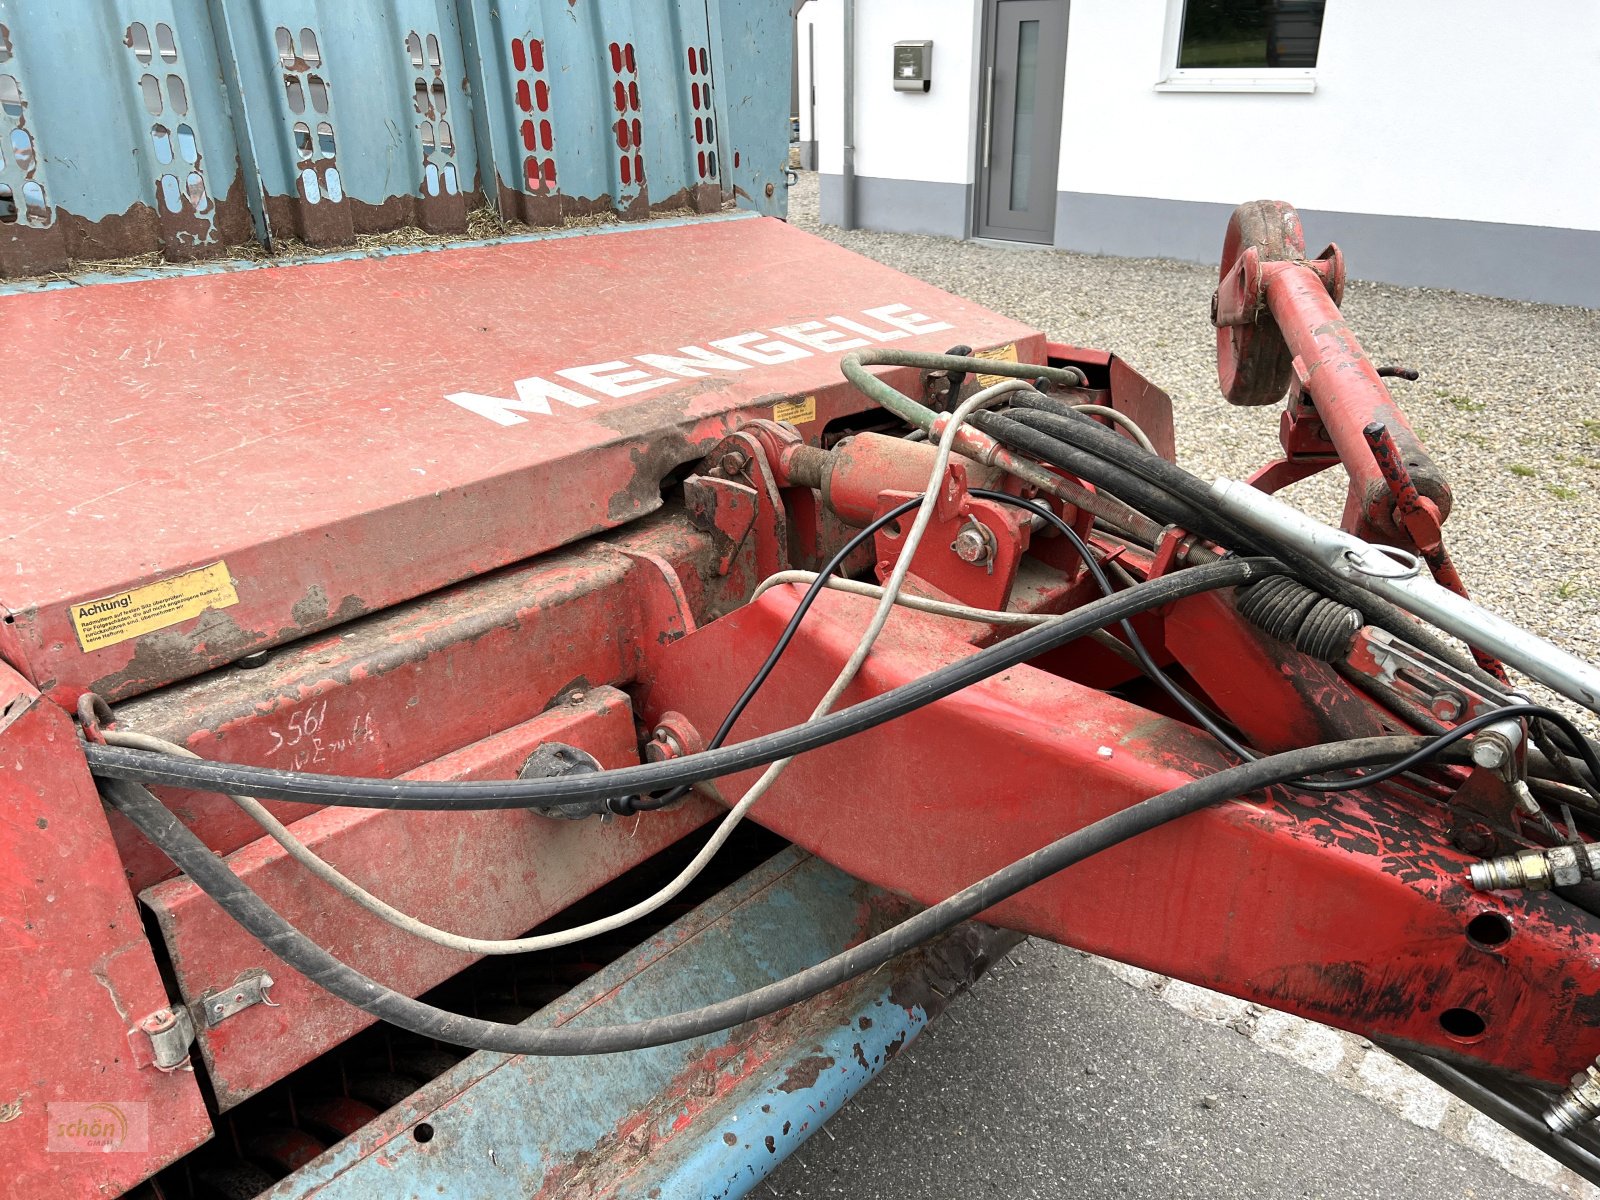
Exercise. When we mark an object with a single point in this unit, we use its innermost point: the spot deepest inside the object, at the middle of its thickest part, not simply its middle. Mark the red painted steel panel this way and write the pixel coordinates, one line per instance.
(293, 423)
(483, 874)
(79, 975)
(1348, 908)
(400, 688)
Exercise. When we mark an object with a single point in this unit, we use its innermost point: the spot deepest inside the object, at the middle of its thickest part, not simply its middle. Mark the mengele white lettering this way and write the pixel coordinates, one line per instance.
(620, 378)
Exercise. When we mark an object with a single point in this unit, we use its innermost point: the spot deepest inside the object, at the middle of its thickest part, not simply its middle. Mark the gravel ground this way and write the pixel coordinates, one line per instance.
(1508, 401)
(1084, 1086)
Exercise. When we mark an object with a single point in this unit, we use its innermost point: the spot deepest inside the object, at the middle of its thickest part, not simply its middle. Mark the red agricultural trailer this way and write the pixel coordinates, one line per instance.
(486, 618)
(557, 715)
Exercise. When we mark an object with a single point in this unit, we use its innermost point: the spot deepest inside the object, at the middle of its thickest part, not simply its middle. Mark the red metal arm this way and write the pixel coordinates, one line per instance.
(1350, 909)
(1349, 396)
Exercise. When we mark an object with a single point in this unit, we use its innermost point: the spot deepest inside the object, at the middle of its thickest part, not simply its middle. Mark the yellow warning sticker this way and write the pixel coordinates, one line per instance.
(1006, 353)
(796, 412)
(112, 619)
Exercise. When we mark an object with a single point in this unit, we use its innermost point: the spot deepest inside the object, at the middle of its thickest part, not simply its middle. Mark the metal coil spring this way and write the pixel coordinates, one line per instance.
(1291, 612)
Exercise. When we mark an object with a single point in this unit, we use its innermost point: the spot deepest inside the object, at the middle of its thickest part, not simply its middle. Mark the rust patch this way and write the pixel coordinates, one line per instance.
(170, 654)
(804, 1074)
(653, 461)
(311, 608)
(26, 250)
(953, 964)
(550, 208)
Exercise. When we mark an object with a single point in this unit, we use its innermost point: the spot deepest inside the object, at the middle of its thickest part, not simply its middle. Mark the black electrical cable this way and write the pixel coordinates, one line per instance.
(1147, 662)
(214, 877)
(1058, 422)
(631, 804)
(818, 585)
(1207, 722)
(1465, 729)
(265, 783)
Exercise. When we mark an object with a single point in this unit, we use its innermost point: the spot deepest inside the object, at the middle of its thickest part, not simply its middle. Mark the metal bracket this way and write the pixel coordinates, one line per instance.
(169, 1032)
(248, 990)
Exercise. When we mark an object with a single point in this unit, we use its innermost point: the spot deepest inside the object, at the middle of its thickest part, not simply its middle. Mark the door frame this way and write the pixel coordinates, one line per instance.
(988, 16)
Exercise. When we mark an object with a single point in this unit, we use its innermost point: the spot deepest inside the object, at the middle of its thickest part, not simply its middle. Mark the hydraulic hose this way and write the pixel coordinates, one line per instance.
(1057, 421)
(908, 548)
(1010, 430)
(265, 783)
(1206, 721)
(213, 876)
(920, 416)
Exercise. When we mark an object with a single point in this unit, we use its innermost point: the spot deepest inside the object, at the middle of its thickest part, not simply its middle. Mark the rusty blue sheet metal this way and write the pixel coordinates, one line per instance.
(710, 1117)
(193, 127)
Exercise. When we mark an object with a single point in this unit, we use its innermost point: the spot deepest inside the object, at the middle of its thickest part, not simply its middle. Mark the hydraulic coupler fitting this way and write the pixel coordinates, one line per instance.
(1537, 870)
(1578, 1105)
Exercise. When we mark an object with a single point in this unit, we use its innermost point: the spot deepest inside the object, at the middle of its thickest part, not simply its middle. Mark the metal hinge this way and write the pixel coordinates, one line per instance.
(162, 1039)
(169, 1032)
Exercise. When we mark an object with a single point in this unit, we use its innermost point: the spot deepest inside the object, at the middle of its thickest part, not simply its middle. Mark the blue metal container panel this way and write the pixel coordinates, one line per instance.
(191, 127)
(360, 115)
(601, 104)
(708, 1117)
(753, 99)
(117, 136)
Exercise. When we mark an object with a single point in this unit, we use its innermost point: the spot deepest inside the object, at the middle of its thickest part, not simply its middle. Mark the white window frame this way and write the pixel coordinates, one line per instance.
(1223, 79)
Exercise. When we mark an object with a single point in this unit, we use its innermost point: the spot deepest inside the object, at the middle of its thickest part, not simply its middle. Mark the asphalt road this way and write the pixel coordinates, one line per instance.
(1054, 1078)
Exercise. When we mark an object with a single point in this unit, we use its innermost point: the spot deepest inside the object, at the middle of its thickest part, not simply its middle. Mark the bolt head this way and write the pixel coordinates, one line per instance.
(656, 750)
(1488, 753)
(969, 546)
(1447, 706)
(733, 462)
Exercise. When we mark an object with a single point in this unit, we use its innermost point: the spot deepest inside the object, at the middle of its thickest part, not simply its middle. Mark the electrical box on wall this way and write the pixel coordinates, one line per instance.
(913, 66)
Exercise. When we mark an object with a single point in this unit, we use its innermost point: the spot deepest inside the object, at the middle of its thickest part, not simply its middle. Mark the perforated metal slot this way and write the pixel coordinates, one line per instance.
(532, 98)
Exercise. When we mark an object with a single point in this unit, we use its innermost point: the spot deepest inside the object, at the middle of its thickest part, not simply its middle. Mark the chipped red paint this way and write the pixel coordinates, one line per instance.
(386, 694)
(80, 973)
(1357, 906)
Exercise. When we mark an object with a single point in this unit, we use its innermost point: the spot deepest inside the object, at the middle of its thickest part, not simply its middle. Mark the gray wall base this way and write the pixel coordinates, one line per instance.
(1517, 262)
(808, 155)
(898, 205)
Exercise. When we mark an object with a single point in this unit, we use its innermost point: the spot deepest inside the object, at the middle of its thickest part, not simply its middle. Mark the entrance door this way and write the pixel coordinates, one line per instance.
(1023, 75)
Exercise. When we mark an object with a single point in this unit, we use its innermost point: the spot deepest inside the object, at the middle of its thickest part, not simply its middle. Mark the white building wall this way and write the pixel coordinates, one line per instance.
(899, 135)
(1447, 142)
(1478, 110)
